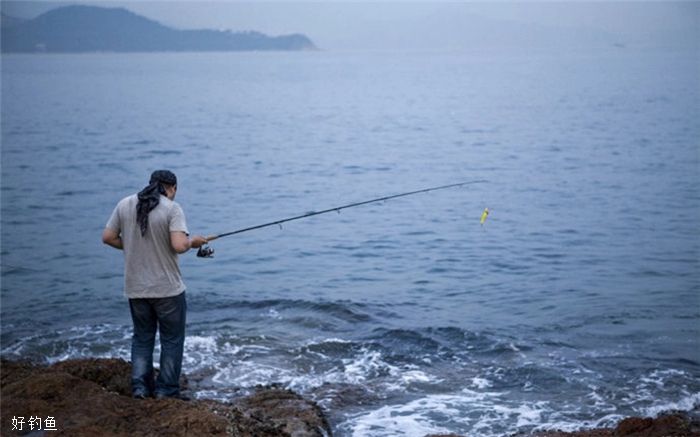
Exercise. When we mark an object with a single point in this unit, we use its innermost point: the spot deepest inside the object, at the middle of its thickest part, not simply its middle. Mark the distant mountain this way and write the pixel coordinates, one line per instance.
(7, 21)
(73, 29)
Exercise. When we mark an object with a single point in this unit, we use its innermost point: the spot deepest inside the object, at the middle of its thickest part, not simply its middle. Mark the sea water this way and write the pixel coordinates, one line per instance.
(575, 304)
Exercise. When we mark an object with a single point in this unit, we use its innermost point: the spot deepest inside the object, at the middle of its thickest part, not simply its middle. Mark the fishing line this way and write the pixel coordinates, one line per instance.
(207, 252)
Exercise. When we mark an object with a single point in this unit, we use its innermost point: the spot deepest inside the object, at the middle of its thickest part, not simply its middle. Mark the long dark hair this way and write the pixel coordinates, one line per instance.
(149, 197)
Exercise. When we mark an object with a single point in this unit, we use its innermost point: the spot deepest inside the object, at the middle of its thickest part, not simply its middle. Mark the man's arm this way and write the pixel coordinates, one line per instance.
(181, 243)
(112, 238)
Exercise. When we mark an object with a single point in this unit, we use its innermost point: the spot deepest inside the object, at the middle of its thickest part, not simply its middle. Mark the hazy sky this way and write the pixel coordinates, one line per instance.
(342, 25)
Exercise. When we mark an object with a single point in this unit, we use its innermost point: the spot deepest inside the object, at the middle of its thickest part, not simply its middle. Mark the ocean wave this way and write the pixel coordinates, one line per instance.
(406, 381)
(689, 402)
(100, 340)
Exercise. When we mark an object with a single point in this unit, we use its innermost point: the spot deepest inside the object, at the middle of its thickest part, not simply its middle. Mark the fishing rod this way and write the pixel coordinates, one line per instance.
(207, 252)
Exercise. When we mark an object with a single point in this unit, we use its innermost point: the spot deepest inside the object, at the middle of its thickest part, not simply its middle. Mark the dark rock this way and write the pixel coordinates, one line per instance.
(112, 374)
(92, 397)
(295, 415)
(444, 435)
(343, 395)
(673, 424)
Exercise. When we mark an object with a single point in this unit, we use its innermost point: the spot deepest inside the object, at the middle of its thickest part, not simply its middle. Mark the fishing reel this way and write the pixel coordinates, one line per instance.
(205, 252)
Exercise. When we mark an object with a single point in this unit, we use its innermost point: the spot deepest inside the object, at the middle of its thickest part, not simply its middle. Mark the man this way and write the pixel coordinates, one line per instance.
(150, 228)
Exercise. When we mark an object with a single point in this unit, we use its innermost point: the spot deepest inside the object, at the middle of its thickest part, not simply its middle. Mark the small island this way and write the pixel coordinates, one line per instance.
(80, 29)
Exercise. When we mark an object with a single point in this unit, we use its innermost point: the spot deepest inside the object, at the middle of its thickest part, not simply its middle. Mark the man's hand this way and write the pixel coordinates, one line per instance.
(198, 241)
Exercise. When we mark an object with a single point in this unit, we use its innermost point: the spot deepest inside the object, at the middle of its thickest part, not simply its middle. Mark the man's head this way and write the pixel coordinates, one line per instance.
(163, 182)
(167, 179)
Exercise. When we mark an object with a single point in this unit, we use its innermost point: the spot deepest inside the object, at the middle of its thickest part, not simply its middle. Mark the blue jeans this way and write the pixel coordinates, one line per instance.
(149, 315)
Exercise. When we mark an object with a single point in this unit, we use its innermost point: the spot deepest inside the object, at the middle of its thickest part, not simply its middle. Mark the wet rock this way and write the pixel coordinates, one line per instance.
(588, 433)
(292, 413)
(112, 374)
(444, 435)
(672, 424)
(343, 395)
(92, 397)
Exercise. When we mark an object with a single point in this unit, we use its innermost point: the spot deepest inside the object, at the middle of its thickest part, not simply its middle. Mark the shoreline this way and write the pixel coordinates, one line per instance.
(92, 396)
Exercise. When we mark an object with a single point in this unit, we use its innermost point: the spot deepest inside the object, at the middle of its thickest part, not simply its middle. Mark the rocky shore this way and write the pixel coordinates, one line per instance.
(90, 397)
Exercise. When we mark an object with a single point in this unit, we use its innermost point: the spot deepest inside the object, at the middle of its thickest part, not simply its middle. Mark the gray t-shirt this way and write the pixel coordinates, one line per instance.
(150, 263)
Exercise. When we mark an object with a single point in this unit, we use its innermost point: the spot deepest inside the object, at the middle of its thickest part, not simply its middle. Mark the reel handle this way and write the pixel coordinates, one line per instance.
(205, 251)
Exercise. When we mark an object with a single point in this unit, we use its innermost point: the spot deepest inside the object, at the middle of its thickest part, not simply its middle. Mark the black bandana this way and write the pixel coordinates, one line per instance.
(149, 197)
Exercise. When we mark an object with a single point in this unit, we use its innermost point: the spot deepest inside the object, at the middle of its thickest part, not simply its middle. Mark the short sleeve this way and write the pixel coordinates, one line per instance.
(114, 222)
(177, 221)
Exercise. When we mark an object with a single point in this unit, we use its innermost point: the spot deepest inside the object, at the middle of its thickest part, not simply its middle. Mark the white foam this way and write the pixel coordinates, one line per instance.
(524, 415)
(558, 421)
(409, 420)
(686, 403)
(658, 378)
(103, 340)
(249, 365)
(200, 344)
(274, 314)
(206, 394)
(317, 342)
(415, 376)
(430, 414)
(481, 383)
(368, 363)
